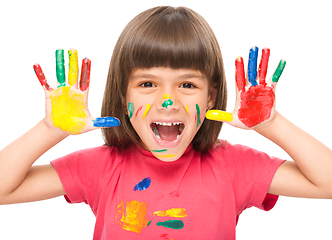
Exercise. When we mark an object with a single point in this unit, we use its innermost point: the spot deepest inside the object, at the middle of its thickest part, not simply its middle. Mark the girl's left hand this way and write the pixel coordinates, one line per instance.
(255, 101)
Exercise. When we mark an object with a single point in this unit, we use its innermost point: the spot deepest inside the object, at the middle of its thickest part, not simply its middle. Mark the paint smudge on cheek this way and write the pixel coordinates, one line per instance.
(138, 110)
(174, 212)
(187, 109)
(174, 224)
(131, 109)
(147, 108)
(143, 185)
(68, 110)
(132, 217)
(198, 116)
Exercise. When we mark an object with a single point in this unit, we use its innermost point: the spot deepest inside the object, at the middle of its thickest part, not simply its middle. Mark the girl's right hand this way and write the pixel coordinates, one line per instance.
(67, 104)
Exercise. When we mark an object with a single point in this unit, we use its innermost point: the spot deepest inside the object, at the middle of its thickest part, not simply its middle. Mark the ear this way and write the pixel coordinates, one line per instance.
(212, 98)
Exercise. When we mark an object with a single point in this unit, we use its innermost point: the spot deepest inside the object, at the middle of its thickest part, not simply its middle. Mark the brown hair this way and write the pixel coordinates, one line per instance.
(163, 37)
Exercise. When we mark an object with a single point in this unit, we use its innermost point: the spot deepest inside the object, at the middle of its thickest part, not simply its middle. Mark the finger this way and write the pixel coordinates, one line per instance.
(218, 115)
(263, 66)
(252, 66)
(60, 67)
(85, 74)
(105, 122)
(279, 71)
(239, 74)
(41, 77)
(73, 67)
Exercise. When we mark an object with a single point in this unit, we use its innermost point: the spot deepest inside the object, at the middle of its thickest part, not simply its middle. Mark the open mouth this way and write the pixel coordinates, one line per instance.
(167, 131)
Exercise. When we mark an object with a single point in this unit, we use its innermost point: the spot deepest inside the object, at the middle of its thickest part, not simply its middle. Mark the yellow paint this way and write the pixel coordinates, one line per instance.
(133, 216)
(174, 212)
(187, 109)
(219, 115)
(68, 110)
(165, 155)
(73, 67)
(147, 108)
(166, 96)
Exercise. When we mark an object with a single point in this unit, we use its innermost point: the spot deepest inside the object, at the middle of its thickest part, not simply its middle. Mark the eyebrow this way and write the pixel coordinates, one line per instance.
(184, 76)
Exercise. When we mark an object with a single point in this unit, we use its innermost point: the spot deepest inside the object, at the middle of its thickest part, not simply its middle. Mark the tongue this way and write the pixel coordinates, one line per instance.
(168, 133)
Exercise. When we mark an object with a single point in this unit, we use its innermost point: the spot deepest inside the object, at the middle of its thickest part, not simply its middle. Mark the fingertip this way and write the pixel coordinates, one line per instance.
(218, 115)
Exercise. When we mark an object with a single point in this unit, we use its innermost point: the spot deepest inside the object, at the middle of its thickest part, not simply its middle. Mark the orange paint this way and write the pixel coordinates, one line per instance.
(132, 217)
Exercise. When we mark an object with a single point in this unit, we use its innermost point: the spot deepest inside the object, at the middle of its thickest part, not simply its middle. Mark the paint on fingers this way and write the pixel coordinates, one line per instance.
(219, 115)
(239, 74)
(279, 71)
(73, 67)
(263, 66)
(105, 122)
(41, 77)
(252, 66)
(60, 67)
(85, 74)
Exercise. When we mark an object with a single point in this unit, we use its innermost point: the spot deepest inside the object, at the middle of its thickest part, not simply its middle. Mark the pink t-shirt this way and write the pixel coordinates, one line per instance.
(136, 196)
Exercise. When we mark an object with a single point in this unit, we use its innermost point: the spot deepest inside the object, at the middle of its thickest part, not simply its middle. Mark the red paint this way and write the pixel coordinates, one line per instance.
(85, 74)
(256, 105)
(138, 110)
(164, 235)
(239, 74)
(263, 66)
(41, 77)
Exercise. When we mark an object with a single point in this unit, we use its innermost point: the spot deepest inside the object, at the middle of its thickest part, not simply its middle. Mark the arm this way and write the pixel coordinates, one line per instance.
(66, 113)
(310, 173)
(19, 181)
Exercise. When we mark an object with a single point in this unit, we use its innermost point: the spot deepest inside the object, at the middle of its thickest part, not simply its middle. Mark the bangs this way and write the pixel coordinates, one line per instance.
(174, 39)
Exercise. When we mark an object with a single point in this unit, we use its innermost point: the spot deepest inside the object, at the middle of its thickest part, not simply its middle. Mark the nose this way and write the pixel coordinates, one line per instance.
(169, 102)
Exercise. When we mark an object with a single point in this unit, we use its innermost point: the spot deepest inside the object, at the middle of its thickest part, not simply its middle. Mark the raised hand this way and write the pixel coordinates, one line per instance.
(66, 105)
(255, 101)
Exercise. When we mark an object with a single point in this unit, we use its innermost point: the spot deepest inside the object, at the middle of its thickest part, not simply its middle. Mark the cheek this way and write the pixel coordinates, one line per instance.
(195, 113)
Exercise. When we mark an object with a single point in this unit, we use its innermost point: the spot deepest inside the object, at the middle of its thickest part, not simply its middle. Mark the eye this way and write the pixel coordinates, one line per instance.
(147, 84)
(187, 85)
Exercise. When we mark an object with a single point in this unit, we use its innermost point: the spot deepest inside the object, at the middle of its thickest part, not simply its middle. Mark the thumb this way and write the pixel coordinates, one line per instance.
(219, 115)
(104, 122)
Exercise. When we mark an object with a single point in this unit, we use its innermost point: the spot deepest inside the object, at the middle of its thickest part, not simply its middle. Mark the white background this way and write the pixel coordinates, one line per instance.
(298, 31)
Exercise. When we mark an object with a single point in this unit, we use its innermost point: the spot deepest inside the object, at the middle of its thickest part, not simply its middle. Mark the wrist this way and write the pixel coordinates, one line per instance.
(53, 132)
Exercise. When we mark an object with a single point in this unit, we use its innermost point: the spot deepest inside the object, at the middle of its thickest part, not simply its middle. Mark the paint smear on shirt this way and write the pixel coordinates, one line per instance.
(174, 224)
(143, 185)
(173, 212)
(132, 216)
(68, 110)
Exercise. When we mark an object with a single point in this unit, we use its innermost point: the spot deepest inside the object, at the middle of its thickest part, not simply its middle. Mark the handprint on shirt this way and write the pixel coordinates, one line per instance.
(255, 101)
(66, 105)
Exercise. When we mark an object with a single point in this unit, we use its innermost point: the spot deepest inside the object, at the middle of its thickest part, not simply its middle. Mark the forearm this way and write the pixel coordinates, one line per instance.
(312, 157)
(17, 158)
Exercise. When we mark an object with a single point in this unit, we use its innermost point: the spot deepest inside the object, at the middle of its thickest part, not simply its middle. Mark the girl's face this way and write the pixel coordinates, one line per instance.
(166, 108)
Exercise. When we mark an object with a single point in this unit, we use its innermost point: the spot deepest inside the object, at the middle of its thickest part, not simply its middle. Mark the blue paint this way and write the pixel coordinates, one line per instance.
(143, 185)
(106, 122)
(252, 66)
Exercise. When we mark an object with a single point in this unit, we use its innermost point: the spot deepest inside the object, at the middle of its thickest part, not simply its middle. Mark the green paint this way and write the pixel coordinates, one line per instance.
(279, 71)
(167, 103)
(174, 224)
(131, 109)
(162, 150)
(60, 67)
(149, 223)
(198, 116)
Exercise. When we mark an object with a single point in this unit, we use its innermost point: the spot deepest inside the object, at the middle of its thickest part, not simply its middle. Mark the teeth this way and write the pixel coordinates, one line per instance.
(167, 123)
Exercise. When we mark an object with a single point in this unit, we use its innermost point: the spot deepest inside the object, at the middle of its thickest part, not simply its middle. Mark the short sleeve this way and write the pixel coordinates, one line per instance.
(251, 172)
(82, 174)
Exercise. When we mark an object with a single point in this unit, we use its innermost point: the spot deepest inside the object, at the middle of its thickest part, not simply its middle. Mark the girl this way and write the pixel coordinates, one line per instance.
(162, 173)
